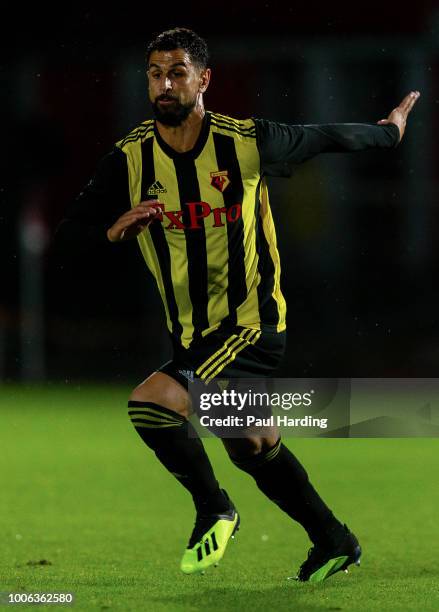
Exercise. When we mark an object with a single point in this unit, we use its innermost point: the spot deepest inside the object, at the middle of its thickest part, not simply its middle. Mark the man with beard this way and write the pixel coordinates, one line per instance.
(190, 186)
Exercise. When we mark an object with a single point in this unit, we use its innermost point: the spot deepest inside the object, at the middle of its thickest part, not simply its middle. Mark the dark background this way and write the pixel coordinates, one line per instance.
(358, 233)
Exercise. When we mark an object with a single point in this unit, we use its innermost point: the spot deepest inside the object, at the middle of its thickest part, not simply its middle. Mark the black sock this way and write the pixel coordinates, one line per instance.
(284, 480)
(178, 447)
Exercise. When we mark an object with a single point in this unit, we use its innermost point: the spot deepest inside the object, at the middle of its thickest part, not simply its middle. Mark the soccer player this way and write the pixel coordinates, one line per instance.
(190, 186)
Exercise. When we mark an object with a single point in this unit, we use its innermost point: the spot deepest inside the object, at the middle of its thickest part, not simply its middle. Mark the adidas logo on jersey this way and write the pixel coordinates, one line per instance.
(188, 374)
(156, 188)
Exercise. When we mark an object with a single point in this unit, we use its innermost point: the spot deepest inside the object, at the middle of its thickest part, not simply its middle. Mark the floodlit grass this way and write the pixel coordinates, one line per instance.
(81, 491)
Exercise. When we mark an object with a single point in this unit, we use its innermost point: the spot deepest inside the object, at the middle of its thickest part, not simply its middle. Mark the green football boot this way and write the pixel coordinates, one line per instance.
(209, 540)
(324, 561)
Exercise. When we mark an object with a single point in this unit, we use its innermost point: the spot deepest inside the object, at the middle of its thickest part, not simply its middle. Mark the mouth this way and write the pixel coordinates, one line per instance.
(166, 101)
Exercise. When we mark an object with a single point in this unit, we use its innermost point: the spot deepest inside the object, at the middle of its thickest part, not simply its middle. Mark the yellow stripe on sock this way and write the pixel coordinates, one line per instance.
(156, 425)
(273, 452)
(154, 418)
(153, 413)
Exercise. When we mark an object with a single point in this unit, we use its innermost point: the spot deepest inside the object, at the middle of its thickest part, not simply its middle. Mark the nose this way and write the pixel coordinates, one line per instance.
(168, 84)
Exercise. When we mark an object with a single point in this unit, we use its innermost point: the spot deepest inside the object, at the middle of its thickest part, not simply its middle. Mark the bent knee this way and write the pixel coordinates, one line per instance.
(164, 391)
(245, 448)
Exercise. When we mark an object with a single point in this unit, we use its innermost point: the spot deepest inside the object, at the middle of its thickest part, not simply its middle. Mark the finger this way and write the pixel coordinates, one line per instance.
(138, 214)
(133, 229)
(414, 98)
(145, 212)
(140, 227)
(149, 204)
(126, 223)
(405, 103)
(152, 206)
(409, 101)
(383, 121)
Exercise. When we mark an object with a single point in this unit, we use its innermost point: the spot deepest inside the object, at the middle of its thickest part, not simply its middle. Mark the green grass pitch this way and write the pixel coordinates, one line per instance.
(81, 491)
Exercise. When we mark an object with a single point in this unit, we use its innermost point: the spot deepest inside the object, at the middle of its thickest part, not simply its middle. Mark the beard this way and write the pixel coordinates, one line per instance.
(173, 115)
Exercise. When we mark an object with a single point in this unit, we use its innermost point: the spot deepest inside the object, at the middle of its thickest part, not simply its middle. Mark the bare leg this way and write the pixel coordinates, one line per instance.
(159, 409)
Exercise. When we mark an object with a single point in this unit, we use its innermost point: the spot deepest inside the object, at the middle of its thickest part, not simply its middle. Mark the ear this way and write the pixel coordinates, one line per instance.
(204, 80)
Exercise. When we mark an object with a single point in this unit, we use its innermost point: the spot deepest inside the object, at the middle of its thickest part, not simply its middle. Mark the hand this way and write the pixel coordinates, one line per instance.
(134, 221)
(399, 114)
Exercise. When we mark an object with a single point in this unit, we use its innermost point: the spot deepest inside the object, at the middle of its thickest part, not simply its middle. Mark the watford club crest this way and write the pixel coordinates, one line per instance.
(220, 179)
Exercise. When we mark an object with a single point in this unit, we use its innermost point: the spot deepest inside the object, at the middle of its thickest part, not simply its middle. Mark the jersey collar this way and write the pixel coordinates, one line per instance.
(196, 149)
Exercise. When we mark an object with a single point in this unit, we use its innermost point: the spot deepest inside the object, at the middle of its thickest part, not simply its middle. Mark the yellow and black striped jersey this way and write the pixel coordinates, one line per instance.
(212, 250)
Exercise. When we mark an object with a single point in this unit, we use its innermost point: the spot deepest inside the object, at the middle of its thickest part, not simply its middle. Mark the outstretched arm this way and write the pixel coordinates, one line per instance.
(281, 145)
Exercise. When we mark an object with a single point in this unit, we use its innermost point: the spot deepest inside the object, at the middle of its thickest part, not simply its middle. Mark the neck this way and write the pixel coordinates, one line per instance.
(183, 137)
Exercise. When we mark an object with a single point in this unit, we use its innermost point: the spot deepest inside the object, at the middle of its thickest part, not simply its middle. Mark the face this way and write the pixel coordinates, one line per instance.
(175, 85)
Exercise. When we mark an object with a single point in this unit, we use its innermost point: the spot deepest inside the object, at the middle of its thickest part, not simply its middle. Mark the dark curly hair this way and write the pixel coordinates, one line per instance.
(181, 38)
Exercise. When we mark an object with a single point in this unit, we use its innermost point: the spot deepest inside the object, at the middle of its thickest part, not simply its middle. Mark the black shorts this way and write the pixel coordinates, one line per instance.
(236, 353)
